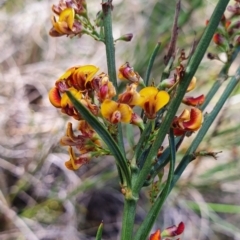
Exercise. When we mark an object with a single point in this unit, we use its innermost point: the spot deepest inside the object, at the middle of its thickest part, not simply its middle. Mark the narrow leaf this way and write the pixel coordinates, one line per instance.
(99, 232)
(104, 134)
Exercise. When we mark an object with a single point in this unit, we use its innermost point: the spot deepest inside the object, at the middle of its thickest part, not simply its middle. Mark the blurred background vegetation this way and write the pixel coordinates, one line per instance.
(39, 197)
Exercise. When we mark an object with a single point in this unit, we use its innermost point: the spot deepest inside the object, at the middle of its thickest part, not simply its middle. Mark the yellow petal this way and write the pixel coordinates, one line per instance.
(107, 108)
(148, 92)
(67, 15)
(67, 74)
(185, 115)
(161, 100)
(195, 121)
(72, 159)
(192, 84)
(89, 71)
(120, 76)
(126, 113)
(66, 101)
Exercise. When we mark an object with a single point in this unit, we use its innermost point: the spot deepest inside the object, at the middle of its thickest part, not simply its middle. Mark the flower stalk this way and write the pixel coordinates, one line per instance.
(190, 71)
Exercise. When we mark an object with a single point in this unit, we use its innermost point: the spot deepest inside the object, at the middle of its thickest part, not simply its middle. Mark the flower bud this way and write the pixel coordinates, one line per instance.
(168, 83)
(126, 37)
(137, 120)
(194, 101)
(156, 235)
(99, 19)
(221, 41)
(126, 72)
(174, 230)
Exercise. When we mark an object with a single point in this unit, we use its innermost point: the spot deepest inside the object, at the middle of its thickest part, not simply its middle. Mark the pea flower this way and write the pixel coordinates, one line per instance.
(77, 80)
(78, 77)
(187, 121)
(194, 101)
(130, 96)
(87, 143)
(156, 235)
(62, 101)
(126, 72)
(79, 6)
(152, 100)
(169, 82)
(173, 231)
(103, 87)
(65, 24)
(116, 112)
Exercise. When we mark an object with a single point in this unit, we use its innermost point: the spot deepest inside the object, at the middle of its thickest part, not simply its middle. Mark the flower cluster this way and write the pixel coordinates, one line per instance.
(227, 36)
(170, 232)
(67, 21)
(97, 93)
(190, 120)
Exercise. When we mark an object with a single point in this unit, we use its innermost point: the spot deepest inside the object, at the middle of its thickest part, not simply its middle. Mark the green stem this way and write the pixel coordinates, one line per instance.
(189, 156)
(128, 219)
(110, 53)
(109, 42)
(151, 61)
(148, 222)
(139, 147)
(99, 232)
(181, 90)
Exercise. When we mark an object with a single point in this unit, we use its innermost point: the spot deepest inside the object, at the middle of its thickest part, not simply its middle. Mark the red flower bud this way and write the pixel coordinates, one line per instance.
(156, 235)
(174, 230)
(194, 101)
(126, 37)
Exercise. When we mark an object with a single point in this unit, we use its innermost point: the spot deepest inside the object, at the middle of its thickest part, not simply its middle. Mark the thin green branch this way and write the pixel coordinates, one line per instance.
(109, 41)
(99, 232)
(110, 53)
(181, 90)
(150, 63)
(189, 156)
(128, 219)
(149, 220)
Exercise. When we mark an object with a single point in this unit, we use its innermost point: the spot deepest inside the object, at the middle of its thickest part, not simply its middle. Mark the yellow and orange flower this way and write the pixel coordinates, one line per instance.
(187, 121)
(74, 162)
(151, 100)
(62, 101)
(130, 96)
(78, 77)
(76, 80)
(126, 72)
(116, 112)
(66, 24)
(86, 143)
(79, 6)
(194, 101)
(173, 231)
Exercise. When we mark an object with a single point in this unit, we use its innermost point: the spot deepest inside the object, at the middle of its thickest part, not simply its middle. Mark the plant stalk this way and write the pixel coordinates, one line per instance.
(181, 90)
(110, 53)
(128, 218)
(189, 156)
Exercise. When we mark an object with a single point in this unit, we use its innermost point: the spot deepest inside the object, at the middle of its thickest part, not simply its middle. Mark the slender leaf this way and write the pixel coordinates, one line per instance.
(99, 232)
(106, 137)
